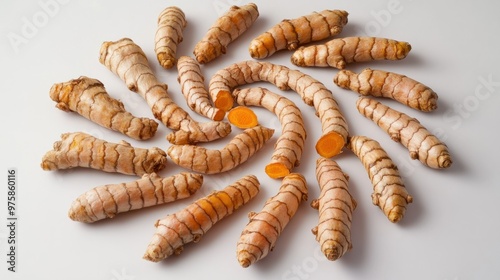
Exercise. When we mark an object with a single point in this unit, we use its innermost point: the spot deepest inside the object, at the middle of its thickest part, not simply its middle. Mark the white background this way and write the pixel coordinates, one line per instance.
(450, 232)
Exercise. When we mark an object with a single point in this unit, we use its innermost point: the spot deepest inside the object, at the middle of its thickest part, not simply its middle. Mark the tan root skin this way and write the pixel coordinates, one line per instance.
(79, 149)
(171, 24)
(88, 97)
(389, 192)
(236, 152)
(193, 88)
(339, 52)
(191, 223)
(408, 131)
(261, 233)
(335, 205)
(129, 62)
(242, 117)
(290, 144)
(312, 92)
(379, 83)
(290, 34)
(109, 200)
(225, 30)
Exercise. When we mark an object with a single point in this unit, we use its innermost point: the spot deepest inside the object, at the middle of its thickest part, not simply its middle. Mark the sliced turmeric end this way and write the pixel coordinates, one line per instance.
(219, 115)
(224, 100)
(276, 170)
(242, 117)
(330, 145)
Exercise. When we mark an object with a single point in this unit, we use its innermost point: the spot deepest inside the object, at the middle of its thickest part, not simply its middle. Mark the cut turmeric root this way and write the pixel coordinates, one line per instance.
(236, 152)
(290, 34)
(389, 192)
(171, 24)
(109, 200)
(225, 30)
(89, 98)
(408, 131)
(380, 83)
(242, 117)
(129, 62)
(191, 223)
(290, 145)
(193, 89)
(312, 92)
(339, 52)
(261, 233)
(335, 205)
(79, 149)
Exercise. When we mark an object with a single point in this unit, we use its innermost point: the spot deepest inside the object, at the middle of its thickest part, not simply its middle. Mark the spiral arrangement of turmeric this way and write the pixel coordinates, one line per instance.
(335, 205)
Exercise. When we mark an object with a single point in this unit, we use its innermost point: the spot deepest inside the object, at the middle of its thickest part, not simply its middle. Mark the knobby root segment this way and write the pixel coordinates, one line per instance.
(339, 52)
(379, 83)
(312, 92)
(88, 97)
(236, 152)
(193, 88)
(79, 149)
(191, 223)
(261, 233)
(408, 131)
(171, 24)
(389, 192)
(290, 144)
(129, 62)
(290, 34)
(109, 200)
(242, 117)
(335, 205)
(225, 30)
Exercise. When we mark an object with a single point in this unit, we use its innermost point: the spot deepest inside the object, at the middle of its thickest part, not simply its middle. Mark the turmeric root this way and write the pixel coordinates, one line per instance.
(290, 34)
(290, 145)
(106, 201)
(380, 83)
(89, 98)
(389, 192)
(402, 128)
(312, 92)
(191, 223)
(171, 24)
(339, 52)
(129, 62)
(193, 89)
(225, 30)
(242, 117)
(335, 205)
(259, 236)
(236, 152)
(79, 149)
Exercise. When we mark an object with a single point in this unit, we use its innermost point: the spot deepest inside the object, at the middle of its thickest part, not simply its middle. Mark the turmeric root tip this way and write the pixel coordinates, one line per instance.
(242, 117)
(330, 145)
